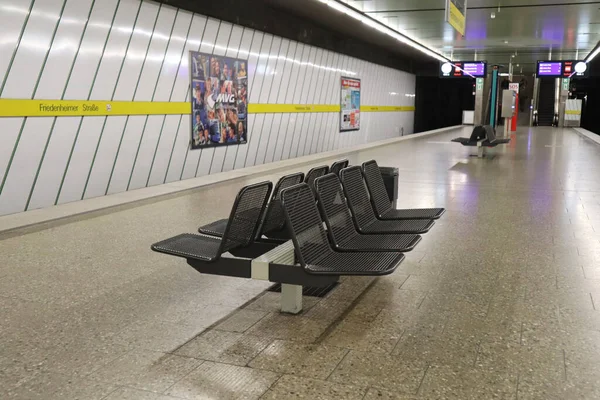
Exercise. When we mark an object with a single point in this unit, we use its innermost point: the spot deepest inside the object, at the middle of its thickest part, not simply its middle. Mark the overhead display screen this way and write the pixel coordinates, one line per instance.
(460, 69)
(550, 69)
(477, 69)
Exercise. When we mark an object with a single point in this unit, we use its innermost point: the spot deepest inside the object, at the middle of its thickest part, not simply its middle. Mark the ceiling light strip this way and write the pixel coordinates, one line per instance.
(365, 19)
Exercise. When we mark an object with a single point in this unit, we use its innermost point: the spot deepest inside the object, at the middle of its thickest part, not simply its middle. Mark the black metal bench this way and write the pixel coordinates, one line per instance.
(337, 166)
(273, 220)
(314, 174)
(239, 232)
(237, 254)
(363, 214)
(482, 137)
(313, 249)
(492, 140)
(381, 201)
(477, 135)
(340, 227)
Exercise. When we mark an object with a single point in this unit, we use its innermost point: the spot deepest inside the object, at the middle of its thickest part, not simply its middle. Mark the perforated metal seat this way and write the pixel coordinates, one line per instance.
(492, 140)
(189, 245)
(273, 221)
(381, 201)
(337, 166)
(477, 134)
(340, 227)
(363, 214)
(243, 223)
(313, 249)
(314, 174)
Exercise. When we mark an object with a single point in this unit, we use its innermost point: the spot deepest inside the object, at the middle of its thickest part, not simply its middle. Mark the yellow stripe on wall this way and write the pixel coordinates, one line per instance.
(573, 112)
(386, 108)
(74, 108)
(68, 108)
(292, 108)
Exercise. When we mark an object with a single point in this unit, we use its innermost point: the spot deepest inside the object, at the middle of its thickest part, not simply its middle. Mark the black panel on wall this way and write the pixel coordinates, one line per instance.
(313, 23)
(440, 102)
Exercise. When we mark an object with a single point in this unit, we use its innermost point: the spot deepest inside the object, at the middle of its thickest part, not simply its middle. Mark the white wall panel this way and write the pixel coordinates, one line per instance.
(81, 160)
(275, 91)
(295, 120)
(55, 162)
(139, 50)
(253, 56)
(145, 154)
(192, 158)
(114, 52)
(316, 90)
(258, 145)
(156, 54)
(97, 180)
(91, 49)
(130, 142)
(243, 53)
(285, 93)
(181, 92)
(51, 83)
(255, 94)
(64, 49)
(33, 49)
(13, 14)
(129, 76)
(165, 83)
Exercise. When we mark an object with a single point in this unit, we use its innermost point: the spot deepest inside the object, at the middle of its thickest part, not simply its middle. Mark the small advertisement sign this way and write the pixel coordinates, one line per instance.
(350, 105)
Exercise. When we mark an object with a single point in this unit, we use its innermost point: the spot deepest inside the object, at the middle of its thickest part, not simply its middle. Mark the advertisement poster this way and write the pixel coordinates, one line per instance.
(350, 107)
(219, 100)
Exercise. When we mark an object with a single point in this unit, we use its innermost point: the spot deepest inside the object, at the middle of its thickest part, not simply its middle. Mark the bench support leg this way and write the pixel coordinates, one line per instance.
(291, 298)
(480, 151)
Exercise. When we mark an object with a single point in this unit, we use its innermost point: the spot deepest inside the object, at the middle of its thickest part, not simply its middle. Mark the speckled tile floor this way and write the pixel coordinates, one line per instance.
(500, 300)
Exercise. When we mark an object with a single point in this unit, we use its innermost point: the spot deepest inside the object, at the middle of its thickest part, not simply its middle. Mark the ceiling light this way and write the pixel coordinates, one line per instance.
(493, 15)
(592, 54)
(506, 42)
(336, 5)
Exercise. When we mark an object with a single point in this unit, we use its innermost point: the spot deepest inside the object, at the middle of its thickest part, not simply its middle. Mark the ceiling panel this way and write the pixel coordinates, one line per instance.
(522, 32)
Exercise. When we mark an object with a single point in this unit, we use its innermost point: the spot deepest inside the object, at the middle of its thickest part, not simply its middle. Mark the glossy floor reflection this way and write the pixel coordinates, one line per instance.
(500, 300)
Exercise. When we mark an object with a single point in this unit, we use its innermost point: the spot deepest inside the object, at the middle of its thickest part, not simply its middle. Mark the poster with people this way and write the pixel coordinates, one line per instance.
(350, 107)
(219, 100)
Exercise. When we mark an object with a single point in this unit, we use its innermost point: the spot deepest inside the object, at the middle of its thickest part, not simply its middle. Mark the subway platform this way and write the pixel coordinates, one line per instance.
(500, 300)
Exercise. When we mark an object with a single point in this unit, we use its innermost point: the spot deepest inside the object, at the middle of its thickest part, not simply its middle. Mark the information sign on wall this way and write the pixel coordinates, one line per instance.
(219, 100)
(350, 105)
(456, 14)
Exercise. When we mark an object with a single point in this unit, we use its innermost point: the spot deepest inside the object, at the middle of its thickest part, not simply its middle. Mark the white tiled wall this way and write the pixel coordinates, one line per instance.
(136, 50)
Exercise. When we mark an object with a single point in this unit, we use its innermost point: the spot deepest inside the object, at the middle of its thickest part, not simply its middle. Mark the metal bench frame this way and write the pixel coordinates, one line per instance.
(313, 250)
(338, 166)
(340, 227)
(313, 174)
(380, 200)
(272, 222)
(363, 214)
(240, 255)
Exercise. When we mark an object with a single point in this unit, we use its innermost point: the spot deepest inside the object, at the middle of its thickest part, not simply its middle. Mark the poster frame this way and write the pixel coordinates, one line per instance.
(341, 99)
(191, 103)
